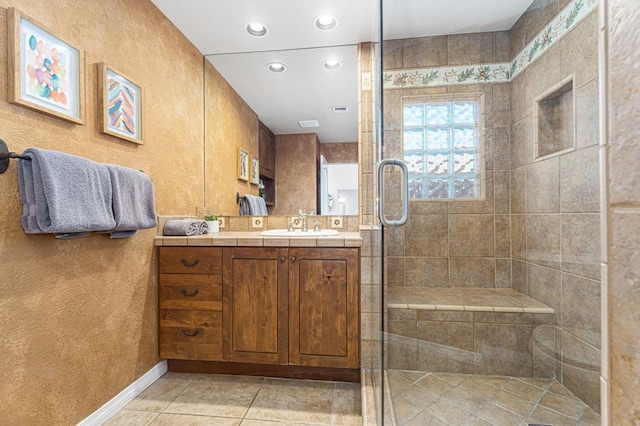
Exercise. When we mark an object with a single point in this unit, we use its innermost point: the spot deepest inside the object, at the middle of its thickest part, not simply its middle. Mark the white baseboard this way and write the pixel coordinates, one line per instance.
(118, 402)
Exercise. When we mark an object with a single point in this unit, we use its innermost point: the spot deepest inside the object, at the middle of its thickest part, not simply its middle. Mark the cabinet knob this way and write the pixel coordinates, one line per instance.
(282, 258)
(190, 333)
(293, 258)
(184, 292)
(187, 263)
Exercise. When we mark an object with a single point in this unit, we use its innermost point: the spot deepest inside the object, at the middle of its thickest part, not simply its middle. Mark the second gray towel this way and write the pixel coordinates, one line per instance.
(252, 205)
(133, 201)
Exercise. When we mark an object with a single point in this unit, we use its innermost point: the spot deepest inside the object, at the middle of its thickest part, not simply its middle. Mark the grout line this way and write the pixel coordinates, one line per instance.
(253, 399)
(190, 382)
(154, 419)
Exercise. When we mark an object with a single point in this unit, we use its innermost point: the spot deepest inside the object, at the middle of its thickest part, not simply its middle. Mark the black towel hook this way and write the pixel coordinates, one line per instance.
(5, 156)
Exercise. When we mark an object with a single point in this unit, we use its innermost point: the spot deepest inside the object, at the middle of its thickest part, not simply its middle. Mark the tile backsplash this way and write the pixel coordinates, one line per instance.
(259, 223)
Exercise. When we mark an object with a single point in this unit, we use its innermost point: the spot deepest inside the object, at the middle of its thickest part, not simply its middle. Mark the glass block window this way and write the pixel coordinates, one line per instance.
(442, 147)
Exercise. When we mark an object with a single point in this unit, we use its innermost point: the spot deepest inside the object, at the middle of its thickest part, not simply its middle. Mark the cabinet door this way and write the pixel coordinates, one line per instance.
(254, 305)
(324, 296)
(271, 152)
(262, 149)
(266, 144)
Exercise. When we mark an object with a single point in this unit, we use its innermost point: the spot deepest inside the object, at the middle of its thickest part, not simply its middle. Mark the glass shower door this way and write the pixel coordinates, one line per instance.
(490, 295)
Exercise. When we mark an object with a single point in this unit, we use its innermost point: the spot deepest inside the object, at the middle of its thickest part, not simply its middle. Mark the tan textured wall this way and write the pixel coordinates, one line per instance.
(296, 173)
(230, 124)
(78, 318)
(555, 203)
(622, 35)
(342, 152)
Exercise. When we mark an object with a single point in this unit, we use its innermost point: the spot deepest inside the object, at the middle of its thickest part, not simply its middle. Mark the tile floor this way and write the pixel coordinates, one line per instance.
(178, 399)
(457, 399)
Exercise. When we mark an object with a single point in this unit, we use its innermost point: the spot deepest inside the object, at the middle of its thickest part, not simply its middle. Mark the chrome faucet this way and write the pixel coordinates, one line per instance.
(302, 215)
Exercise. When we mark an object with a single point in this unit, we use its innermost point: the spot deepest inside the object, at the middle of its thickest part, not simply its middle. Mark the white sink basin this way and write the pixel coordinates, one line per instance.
(298, 233)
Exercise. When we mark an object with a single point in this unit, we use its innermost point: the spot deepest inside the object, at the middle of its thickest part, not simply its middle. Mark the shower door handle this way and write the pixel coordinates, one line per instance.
(405, 192)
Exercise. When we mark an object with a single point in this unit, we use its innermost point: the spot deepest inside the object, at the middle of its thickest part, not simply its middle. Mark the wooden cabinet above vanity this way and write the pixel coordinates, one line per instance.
(261, 310)
(267, 147)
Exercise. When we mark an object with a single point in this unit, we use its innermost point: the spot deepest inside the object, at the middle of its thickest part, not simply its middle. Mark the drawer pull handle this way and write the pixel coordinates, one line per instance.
(184, 292)
(293, 258)
(189, 333)
(187, 263)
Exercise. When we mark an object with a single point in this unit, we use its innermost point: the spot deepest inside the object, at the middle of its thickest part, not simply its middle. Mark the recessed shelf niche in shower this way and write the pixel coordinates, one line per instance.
(555, 121)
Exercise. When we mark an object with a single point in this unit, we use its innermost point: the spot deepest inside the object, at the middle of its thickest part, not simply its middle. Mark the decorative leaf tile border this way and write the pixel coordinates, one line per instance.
(564, 22)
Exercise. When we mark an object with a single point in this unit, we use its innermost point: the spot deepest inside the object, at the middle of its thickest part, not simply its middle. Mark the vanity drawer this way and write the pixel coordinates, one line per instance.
(190, 260)
(195, 291)
(194, 335)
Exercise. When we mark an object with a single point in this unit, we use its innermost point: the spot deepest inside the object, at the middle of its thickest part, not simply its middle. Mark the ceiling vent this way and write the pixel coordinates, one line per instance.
(308, 123)
(340, 109)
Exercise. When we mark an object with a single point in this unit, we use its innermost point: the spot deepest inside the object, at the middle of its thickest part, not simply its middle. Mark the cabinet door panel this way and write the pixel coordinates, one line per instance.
(324, 300)
(323, 307)
(255, 305)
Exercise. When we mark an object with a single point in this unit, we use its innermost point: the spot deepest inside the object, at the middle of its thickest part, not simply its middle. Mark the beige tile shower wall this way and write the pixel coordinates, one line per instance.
(555, 211)
(229, 124)
(622, 36)
(371, 253)
(370, 304)
(296, 173)
(366, 128)
(452, 243)
(340, 152)
(78, 317)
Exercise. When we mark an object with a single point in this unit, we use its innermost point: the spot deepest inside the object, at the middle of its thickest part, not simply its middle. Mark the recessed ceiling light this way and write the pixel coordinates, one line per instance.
(256, 29)
(331, 64)
(325, 22)
(276, 67)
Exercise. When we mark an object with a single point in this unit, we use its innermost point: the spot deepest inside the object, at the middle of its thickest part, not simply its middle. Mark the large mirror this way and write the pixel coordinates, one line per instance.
(306, 108)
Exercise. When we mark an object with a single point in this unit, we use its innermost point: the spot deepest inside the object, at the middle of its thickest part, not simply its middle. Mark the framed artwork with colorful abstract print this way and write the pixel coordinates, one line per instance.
(45, 72)
(120, 105)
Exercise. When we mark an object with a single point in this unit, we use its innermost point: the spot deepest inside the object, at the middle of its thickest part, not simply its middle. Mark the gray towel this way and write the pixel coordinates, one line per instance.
(253, 206)
(133, 201)
(182, 227)
(64, 194)
(245, 208)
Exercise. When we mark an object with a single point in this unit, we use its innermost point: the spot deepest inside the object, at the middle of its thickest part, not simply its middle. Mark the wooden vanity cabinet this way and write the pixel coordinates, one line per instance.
(190, 302)
(270, 306)
(255, 305)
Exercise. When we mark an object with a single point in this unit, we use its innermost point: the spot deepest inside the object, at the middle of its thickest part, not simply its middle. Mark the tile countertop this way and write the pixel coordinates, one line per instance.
(254, 239)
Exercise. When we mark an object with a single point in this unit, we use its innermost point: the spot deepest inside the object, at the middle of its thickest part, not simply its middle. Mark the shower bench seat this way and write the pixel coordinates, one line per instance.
(464, 299)
(492, 331)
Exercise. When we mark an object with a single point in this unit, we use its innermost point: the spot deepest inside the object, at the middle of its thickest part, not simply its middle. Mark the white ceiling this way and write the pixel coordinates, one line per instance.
(307, 91)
